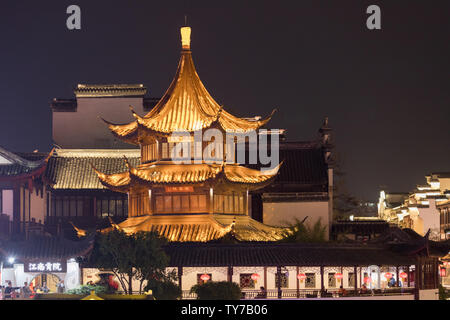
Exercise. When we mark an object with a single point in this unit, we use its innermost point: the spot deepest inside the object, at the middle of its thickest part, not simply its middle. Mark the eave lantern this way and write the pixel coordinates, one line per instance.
(205, 277)
(403, 275)
(301, 276)
(338, 276)
(443, 272)
(388, 275)
(367, 279)
(255, 277)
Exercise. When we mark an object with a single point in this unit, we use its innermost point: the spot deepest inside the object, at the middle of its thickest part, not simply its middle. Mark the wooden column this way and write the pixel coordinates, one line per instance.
(408, 272)
(279, 282)
(355, 272)
(322, 286)
(298, 283)
(397, 278)
(230, 274)
(417, 278)
(265, 278)
(180, 276)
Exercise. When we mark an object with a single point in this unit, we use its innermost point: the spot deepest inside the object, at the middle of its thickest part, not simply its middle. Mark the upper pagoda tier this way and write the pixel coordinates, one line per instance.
(186, 106)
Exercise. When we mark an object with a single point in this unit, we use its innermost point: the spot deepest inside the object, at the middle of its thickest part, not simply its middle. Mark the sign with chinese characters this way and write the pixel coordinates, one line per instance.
(45, 266)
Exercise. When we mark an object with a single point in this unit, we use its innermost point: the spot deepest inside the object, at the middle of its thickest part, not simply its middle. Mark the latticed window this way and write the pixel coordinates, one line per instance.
(351, 279)
(284, 280)
(310, 281)
(246, 281)
(331, 280)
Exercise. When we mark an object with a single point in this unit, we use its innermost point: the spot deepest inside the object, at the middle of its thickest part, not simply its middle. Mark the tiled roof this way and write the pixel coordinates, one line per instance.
(303, 169)
(46, 247)
(71, 169)
(261, 254)
(20, 163)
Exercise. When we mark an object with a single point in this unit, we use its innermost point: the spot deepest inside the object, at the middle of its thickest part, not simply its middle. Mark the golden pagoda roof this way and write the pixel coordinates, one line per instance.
(185, 106)
(168, 172)
(201, 228)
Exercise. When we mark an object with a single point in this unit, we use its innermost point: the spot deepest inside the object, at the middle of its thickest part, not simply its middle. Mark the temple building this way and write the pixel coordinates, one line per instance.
(199, 192)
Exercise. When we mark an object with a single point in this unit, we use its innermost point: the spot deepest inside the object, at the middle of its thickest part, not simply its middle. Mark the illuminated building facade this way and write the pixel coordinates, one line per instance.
(417, 210)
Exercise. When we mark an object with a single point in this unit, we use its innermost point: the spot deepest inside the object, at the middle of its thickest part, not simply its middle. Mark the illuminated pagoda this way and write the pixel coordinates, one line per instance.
(204, 198)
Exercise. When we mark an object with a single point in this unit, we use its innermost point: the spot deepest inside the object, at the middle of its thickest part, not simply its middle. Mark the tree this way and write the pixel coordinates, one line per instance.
(116, 251)
(151, 260)
(301, 232)
(137, 256)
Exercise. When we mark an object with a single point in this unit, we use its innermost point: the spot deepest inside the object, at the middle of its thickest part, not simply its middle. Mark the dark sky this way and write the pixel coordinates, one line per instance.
(386, 92)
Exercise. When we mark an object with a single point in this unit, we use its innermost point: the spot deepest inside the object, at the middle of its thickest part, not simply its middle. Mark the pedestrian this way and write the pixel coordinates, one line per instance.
(25, 291)
(61, 287)
(9, 291)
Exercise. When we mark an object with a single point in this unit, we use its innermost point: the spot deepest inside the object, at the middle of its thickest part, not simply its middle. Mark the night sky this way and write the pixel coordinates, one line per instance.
(386, 92)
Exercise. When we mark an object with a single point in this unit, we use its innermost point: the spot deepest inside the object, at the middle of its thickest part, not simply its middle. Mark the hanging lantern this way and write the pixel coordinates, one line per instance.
(367, 279)
(301, 276)
(388, 275)
(255, 277)
(443, 272)
(338, 276)
(205, 277)
(403, 275)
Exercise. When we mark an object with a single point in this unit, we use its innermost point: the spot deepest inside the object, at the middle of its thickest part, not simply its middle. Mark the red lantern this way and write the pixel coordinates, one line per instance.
(388, 275)
(443, 272)
(338, 276)
(205, 277)
(301, 276)
(367, 279)
(255, 277)
(403, 275)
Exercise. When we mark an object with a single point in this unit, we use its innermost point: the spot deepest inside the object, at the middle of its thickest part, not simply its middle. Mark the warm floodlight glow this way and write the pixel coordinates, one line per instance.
(186, 37)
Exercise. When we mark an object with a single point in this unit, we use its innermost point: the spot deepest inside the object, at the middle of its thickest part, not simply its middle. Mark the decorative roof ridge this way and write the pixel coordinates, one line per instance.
(97, 153)
(16, 159)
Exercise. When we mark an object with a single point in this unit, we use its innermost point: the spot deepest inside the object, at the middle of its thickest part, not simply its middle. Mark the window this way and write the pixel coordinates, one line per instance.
(177, 203)
(284, 280)
(331, 280)
(233, 203)
(246, 281)
(310, 281)
(351, 279)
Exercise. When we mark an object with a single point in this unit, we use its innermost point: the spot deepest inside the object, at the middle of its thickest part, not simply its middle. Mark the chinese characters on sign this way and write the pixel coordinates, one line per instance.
(45, 266)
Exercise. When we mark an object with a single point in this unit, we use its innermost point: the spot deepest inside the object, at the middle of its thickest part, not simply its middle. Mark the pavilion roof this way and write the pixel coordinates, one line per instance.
(170, 173)
(282, 254)
(201, 228)
(185, 106)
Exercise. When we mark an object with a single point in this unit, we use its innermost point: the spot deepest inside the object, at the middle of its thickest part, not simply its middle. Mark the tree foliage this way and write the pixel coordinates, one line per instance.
(136, 256)
(217, 290)
(301, 232)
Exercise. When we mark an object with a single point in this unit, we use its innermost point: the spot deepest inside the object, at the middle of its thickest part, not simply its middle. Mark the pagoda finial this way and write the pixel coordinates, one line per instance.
(185, 38)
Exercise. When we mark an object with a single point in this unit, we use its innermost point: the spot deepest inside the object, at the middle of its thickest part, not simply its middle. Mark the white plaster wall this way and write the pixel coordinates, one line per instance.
(189, 278)
(430, 219)
(432, 294)
(38, 206)
(7, 203)
(84, 129)
(283, 213)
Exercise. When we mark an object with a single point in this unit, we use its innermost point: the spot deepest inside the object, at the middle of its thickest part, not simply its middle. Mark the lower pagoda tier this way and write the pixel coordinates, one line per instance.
(200, 228)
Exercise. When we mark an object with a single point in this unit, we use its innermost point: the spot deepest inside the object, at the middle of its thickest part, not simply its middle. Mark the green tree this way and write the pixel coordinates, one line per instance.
(137, 256)
(301, 232)
(151, 260)
(116, 251)
(217, 290)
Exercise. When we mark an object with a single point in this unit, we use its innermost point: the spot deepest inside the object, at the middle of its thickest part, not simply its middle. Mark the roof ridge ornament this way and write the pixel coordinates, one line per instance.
(185, 38)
